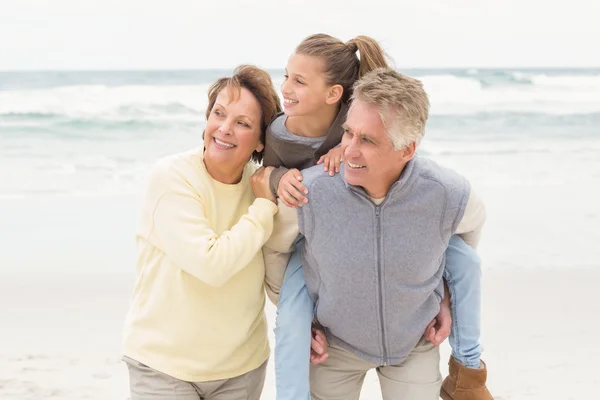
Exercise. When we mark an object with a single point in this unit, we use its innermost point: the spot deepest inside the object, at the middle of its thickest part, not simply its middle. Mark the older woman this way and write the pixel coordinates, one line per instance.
(196, 328)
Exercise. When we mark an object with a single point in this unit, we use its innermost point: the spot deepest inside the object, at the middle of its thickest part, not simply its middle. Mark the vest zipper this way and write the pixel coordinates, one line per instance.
(380, 282)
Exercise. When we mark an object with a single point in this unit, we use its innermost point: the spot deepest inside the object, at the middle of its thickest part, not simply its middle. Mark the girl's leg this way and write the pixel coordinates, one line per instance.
(293, 332)
(463, 276)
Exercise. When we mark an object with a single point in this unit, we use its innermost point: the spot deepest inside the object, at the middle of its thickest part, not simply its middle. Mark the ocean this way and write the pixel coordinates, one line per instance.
(90, 133)
(76, 147)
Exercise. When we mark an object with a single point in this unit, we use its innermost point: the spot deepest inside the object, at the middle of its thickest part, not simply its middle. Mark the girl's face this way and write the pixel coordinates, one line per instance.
(305, 87)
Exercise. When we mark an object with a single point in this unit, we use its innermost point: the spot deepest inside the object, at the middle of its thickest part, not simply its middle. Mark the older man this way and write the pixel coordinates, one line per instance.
(376, 237)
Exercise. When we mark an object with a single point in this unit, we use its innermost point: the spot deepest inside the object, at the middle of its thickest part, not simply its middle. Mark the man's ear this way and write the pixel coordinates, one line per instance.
(409, 151)
(334, 94)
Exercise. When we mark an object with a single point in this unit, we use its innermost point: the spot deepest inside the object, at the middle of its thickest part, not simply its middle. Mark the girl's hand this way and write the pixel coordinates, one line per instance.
(332, 160)
(291, 191)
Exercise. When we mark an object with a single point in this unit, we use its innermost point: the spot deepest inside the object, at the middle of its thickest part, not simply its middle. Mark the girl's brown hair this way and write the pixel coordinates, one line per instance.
(342, 65)
(259, 83)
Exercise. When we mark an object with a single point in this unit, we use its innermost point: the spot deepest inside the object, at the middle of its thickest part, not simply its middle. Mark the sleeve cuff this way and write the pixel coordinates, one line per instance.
(268, 204)
(276, 176)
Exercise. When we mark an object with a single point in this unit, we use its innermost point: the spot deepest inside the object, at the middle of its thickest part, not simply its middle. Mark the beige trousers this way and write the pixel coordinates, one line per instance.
(149, 384)
(341, 376)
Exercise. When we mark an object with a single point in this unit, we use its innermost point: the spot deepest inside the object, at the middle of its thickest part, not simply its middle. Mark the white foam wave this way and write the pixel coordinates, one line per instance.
(449, 94)
(586, 82)
(547, 94)
(106, 102)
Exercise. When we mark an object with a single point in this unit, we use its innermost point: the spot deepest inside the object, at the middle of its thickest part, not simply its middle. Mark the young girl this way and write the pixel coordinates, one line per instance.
(318, 85)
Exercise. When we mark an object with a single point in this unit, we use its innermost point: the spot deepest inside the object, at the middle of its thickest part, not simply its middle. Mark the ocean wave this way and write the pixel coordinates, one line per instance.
(481, 125)
(501, 147)
(147, 111)
(106, 101)
(561, 95)
(28, 116)
(468, 92)
(99, 129)
(567, 83)
(128, 125)
(515, 121)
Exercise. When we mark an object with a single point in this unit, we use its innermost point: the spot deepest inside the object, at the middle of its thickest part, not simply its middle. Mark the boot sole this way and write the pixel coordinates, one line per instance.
(445, 395)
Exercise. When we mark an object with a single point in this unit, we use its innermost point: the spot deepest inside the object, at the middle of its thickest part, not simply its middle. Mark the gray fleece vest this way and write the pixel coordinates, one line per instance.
(375, 272)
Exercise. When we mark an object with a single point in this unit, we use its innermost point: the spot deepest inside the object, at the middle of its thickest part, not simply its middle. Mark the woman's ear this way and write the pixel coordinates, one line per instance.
(334, 94)
(260, 147)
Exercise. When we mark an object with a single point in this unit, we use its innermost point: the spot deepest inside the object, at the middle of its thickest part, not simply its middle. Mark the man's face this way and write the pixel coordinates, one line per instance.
(369, 156)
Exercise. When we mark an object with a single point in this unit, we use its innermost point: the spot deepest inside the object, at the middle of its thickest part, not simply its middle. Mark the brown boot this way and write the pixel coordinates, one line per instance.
(465, 383)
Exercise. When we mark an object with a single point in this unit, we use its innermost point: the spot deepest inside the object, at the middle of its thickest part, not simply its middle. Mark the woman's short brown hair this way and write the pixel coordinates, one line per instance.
(259, 83)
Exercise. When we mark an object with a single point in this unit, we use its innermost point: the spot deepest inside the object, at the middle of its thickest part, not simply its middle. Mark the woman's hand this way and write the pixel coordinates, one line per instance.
(291, 191)
(332, 160)
(260, 184)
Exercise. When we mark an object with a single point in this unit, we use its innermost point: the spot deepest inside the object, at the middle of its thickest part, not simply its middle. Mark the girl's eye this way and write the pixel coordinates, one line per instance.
(285, 77)
(299, 81)
(218, 113)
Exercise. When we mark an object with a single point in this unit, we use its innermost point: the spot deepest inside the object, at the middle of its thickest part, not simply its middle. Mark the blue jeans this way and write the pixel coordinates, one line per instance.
(463, 276)
(295, 315)
(293, 332)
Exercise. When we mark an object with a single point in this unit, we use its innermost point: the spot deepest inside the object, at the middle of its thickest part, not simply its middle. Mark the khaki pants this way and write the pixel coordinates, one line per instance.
(149, 384)
(341, 376)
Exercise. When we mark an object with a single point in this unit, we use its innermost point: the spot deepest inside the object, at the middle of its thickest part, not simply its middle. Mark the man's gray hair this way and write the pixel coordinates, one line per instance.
(402, 102)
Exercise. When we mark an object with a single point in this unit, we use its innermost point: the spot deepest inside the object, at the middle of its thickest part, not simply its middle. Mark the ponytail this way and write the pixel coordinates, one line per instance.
(370, 52)
(342, 64)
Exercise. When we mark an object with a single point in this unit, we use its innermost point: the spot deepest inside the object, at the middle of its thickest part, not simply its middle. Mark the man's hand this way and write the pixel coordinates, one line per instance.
(439, 329)
(318, 347)
(332, 160)
(290, 190)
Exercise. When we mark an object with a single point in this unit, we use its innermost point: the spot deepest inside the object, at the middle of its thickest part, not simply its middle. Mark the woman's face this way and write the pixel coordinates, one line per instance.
(232, 131)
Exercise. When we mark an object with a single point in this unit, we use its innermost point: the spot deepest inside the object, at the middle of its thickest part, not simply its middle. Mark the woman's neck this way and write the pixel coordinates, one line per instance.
(224, 173)
(316, 125)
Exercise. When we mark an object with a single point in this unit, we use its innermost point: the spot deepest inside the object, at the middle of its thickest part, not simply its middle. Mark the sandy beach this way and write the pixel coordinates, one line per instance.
(61, 336)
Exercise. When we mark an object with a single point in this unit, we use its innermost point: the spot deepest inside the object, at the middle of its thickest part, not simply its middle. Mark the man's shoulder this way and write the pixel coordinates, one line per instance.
(444, 175)
(455, 186)
(322, 192)
(313, 177)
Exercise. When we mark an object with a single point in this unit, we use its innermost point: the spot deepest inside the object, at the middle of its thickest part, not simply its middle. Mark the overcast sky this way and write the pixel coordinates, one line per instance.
(173, 34)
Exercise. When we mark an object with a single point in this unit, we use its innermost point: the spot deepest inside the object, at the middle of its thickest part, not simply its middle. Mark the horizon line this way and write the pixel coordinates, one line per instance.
(281, 69)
